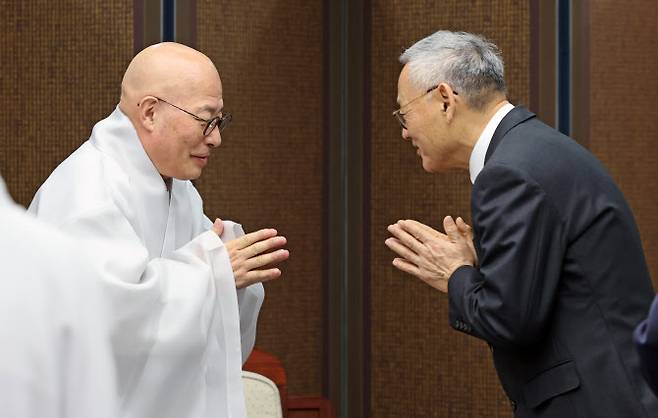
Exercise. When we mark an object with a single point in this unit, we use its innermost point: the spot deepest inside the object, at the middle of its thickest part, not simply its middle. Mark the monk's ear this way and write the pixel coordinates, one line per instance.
(146, 112)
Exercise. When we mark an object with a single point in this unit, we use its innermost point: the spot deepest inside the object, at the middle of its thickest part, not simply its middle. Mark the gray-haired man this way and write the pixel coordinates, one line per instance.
(557, 277)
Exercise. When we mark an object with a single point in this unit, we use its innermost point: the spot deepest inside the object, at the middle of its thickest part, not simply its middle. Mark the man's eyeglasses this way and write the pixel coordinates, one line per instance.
(221, 121)
(400, 116)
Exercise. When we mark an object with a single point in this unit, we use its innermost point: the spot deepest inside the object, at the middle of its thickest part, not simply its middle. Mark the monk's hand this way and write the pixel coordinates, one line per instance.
(429, 254)
(253, 255)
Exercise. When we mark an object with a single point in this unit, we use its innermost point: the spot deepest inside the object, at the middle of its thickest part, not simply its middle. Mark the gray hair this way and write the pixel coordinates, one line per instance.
(469, 63)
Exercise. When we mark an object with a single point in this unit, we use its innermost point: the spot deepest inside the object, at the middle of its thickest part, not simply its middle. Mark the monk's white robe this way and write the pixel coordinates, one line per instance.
(182, 331)
(55, 357)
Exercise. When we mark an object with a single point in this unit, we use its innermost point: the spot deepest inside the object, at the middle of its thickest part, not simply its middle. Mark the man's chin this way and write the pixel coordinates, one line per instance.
(427, 165)
(432, 167)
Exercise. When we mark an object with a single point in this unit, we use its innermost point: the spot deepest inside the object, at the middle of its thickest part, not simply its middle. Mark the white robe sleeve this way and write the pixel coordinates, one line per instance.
(250, 299)
(175, 319)
(55, 357)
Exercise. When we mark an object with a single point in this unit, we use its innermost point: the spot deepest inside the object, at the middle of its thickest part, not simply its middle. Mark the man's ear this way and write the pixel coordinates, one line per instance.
(446, 95)
(146, 112)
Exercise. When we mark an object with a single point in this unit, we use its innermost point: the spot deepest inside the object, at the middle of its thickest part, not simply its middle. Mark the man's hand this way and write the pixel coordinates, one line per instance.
(251, 252)
(430, 255)
(467, 233)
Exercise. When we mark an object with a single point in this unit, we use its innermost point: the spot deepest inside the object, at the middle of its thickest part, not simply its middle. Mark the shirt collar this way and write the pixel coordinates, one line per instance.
(476, 162)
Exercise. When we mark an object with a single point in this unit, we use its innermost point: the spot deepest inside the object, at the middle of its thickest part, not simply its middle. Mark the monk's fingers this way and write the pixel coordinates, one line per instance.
(218, 226)
(263, 246)
(257, 276)
(251, 238)
(402, 250)
(259, 261)
(238, 248)
(406, 266)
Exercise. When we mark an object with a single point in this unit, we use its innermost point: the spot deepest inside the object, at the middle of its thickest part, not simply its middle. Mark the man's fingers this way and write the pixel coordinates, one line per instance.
(410, 268)
(405, 238)
(253, 237)
(274, 257)
(451, 228)
(465, 230)
(463, 227)
(401, 249)
(218, 226)
(406, 266)
(428, 230)
(418, 230)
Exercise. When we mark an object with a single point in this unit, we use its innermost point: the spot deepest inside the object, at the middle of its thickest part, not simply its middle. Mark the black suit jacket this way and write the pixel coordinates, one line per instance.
(646, 341)
(562, 279)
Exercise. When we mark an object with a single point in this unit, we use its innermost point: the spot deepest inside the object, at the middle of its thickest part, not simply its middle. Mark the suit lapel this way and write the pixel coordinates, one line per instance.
(517, 115)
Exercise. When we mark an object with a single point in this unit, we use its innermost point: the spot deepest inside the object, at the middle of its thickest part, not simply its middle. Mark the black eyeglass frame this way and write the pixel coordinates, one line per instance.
(400, 116)
(221, 121)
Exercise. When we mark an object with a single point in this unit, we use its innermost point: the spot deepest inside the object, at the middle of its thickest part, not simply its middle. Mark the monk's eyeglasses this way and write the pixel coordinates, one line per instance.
(221, 121)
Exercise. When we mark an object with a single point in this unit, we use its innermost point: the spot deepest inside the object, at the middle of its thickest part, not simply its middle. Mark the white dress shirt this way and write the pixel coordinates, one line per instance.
(476, 162)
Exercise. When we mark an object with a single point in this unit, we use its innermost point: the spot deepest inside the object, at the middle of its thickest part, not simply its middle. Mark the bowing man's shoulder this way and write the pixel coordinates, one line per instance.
(497, 173)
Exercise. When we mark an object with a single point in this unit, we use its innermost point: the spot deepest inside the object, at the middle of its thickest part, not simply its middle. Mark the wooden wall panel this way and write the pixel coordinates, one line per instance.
(269, 168)
(623, 117)
(60, 72)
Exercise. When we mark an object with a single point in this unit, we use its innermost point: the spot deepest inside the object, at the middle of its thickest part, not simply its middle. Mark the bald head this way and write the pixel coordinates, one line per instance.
(170, 92)
(168, 70)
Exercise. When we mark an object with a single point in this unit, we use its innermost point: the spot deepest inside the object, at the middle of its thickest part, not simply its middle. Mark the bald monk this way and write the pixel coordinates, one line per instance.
(187, 291)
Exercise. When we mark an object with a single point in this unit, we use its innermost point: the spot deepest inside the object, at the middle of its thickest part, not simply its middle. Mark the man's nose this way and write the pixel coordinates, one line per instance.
(405, 133)
(215, 138)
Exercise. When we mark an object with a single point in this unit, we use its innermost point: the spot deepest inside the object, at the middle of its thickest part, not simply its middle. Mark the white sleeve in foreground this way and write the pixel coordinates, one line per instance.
(250, 299)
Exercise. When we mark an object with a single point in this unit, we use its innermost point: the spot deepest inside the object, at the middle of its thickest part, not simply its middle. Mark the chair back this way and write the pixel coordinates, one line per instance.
(261, 396)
